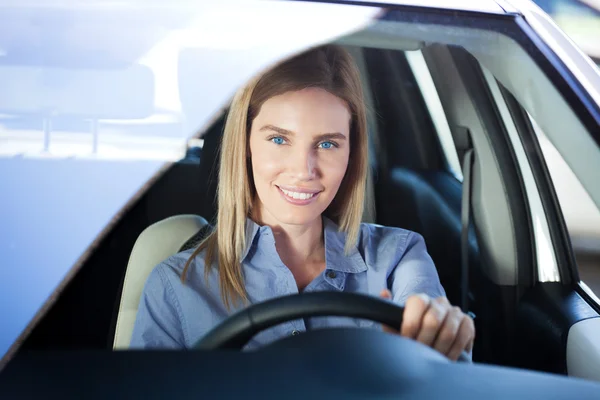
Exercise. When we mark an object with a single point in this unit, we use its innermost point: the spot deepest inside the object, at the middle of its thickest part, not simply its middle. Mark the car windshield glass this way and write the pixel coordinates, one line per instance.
(91, 119)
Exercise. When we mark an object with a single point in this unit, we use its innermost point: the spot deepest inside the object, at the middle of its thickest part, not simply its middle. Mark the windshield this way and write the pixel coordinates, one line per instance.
(92, 120)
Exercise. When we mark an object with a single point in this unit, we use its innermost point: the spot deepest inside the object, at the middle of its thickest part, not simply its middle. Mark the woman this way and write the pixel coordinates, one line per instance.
(290, 201)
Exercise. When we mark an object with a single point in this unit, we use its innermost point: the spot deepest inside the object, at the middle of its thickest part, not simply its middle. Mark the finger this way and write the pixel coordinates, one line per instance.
(414, 309)
(469, 347)
(433, 320)
(386, 294)
(447, 334)
(464, 338)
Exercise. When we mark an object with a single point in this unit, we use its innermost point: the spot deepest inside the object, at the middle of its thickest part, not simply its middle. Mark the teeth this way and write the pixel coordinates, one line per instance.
(297, 195)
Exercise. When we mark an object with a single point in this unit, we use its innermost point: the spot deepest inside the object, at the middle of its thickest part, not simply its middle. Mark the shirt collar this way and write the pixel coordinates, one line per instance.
(335, 240)
(252, 230)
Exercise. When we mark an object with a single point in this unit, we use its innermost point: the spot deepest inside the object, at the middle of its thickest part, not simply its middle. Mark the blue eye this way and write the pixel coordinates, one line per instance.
(277, 140)
(326, 145)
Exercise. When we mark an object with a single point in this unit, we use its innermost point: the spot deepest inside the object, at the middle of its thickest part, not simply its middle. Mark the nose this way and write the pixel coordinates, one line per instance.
(304, 164)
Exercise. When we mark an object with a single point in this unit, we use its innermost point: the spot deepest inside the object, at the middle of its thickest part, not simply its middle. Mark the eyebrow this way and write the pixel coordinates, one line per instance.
(285, 132)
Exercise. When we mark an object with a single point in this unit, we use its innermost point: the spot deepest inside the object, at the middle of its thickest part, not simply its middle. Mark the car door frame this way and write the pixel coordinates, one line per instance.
(547, 311)
(567, 306)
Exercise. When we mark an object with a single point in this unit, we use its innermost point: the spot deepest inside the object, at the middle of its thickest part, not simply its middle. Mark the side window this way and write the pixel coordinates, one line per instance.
(436, 111)
(581, 214)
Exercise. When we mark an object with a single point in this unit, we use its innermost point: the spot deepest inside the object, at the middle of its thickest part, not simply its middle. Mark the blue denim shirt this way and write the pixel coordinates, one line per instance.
(173, 314)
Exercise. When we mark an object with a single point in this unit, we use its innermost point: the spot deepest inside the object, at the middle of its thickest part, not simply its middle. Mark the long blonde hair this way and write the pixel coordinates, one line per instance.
(327, 67)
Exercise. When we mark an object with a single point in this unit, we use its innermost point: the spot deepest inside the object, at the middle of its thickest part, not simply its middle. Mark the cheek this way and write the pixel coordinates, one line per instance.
(334, 168)
(266, 165)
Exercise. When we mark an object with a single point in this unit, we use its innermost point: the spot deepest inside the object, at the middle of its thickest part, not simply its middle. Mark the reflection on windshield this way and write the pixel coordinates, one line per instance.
(72, 89)
(97, 81)
(60, 112)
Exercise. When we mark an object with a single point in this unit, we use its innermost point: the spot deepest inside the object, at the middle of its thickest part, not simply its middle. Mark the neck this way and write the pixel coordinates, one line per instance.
(300, 244)
(300, 247)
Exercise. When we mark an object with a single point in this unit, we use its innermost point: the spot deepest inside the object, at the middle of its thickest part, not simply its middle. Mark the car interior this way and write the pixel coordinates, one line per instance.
(440, 141)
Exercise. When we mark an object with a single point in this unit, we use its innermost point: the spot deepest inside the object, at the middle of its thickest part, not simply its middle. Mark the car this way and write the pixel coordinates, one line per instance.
(466, 101)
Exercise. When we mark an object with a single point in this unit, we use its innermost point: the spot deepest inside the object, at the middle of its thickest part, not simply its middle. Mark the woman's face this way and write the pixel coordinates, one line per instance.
(299, 147)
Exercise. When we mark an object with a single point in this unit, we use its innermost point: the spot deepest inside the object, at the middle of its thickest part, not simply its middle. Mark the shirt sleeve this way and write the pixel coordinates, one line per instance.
(158, 322)
(416, 273)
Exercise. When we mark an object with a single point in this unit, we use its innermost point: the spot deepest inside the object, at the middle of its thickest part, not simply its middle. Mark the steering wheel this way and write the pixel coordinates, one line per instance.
(236, 331)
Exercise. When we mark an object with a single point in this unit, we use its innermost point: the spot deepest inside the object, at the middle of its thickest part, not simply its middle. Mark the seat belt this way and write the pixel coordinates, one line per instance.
(465, 220)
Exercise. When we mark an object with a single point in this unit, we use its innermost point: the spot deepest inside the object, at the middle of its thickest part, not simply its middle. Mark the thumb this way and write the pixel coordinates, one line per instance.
(386, 294)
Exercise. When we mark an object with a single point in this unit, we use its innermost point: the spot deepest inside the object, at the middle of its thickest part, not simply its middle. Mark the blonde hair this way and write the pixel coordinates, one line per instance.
(327, 67)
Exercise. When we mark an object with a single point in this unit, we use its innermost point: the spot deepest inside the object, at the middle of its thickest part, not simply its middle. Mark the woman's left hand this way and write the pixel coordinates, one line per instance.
(435, 323)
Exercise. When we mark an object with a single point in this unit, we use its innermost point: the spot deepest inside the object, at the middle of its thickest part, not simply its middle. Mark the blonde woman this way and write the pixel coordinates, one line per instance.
(290, 200)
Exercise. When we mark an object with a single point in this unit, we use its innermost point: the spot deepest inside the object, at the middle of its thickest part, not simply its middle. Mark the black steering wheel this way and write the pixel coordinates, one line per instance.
(236, 331)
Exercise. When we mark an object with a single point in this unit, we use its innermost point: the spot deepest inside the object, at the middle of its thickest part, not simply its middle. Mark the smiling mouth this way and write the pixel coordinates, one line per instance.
(298, 195)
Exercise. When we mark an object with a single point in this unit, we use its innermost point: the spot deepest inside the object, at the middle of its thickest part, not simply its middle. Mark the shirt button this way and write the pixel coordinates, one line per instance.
(295, 332)
(331, 274)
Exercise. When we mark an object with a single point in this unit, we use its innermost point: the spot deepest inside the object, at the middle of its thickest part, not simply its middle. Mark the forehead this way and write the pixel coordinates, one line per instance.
(312, 107)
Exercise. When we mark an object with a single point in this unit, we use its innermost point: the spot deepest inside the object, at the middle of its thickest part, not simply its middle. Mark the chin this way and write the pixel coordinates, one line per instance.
(296, 217)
